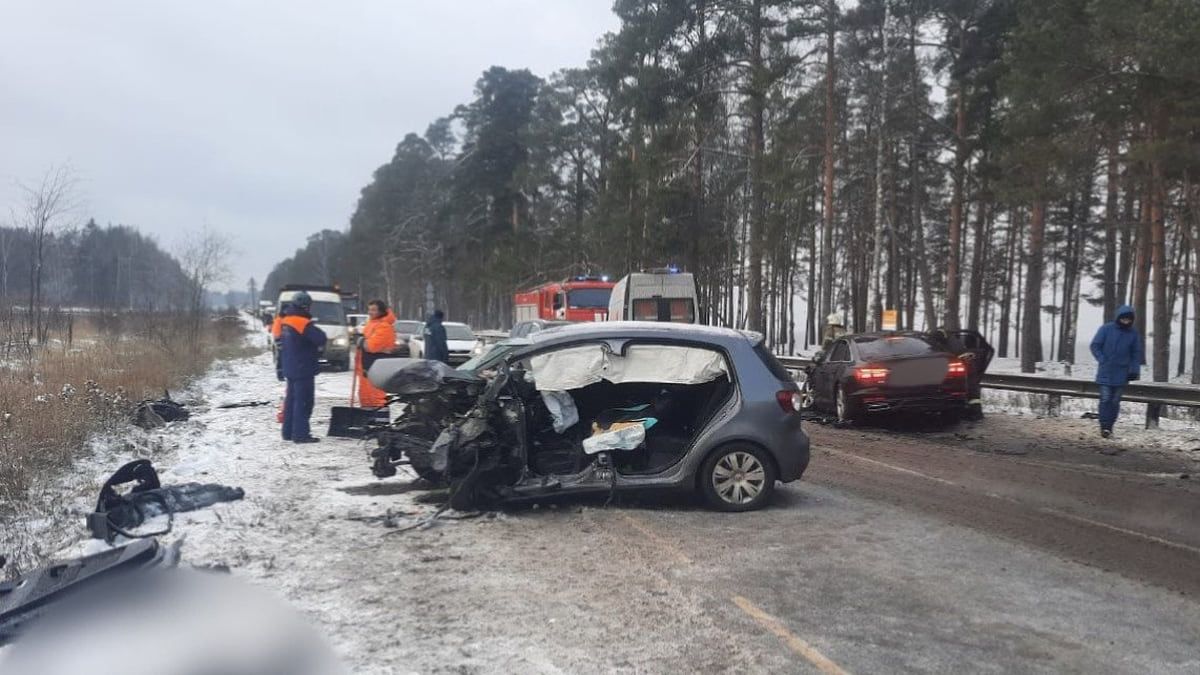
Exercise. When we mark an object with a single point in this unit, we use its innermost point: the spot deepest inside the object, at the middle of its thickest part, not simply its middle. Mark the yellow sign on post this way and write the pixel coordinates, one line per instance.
(891, 319)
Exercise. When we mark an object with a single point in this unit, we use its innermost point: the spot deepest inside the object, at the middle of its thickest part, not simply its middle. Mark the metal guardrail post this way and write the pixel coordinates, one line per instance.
(1054, 405)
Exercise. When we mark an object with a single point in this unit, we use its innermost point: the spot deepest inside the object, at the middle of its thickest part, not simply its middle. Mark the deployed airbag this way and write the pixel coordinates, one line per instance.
(562, 409)
(579, 367)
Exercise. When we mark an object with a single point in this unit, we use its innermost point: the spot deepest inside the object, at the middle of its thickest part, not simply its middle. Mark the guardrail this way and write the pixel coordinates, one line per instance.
(1057, 387)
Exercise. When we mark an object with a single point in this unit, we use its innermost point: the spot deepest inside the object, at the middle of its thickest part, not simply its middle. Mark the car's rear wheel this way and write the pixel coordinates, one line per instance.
(847, 408)
(738, 478)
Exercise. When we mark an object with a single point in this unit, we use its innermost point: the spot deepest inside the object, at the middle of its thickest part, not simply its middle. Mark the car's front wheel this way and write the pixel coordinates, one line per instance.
(807, 399)
(738, 478)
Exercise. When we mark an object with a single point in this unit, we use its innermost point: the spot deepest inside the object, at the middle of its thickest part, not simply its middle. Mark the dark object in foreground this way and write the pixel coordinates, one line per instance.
(118, 513)
(24, 600)
(151, 414)
(243, 404)
(348, 422)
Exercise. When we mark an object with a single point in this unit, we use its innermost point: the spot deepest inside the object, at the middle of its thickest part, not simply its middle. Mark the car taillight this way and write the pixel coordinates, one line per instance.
(957, 369)
(868, 375)
(789, 400)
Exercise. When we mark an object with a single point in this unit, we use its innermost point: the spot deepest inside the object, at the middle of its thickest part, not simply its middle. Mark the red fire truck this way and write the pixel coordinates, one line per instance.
(577, 299)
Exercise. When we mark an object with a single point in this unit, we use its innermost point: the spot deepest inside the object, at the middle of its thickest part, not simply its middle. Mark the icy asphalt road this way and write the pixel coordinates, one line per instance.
(909, 555)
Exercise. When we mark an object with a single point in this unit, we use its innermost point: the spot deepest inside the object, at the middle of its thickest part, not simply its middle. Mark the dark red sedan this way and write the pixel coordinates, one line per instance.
(870, 373)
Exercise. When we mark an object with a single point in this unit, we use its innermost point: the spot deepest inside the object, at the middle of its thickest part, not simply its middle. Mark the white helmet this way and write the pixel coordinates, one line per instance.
(833, 320)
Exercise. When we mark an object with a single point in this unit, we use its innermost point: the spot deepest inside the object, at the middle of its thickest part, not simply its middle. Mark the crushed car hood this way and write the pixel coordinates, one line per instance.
(416, 376)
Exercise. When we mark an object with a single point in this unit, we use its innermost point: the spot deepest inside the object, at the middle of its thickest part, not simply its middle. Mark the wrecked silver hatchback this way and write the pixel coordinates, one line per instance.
(599, 409)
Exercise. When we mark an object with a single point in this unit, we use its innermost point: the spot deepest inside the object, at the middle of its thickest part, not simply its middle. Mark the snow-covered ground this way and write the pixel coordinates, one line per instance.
(319, 531)
(296, 532)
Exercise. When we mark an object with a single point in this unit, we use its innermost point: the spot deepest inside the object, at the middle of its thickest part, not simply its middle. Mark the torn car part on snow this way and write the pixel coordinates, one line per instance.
(121, 513)
(600, 407)
(151, 414)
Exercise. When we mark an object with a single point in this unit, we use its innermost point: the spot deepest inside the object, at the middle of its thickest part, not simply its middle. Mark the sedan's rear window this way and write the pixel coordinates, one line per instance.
(885, 347)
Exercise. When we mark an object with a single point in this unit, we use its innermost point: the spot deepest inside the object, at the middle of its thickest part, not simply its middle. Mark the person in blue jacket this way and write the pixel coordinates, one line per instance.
(301, 343)
(436, 348)
(1118, 350)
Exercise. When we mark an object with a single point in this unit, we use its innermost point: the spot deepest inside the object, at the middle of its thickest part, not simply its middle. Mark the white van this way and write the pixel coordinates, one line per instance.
(659, 295)
(330, 317)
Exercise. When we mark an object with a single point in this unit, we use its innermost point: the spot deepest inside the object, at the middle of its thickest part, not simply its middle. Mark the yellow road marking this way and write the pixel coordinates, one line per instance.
(793, 641)
(674, 550)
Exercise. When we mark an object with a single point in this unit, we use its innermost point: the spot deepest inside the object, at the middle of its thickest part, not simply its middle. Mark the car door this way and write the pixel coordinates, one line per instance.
(826, 374)
(974, 341)
(839, 361)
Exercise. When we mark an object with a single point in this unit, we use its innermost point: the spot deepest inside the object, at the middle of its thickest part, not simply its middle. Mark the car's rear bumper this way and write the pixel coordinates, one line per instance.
(915, 404)
(791, 450)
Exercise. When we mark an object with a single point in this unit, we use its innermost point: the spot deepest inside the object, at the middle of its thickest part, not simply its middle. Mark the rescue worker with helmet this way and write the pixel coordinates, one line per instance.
(378, 341)
(834, 329)
(301, 343)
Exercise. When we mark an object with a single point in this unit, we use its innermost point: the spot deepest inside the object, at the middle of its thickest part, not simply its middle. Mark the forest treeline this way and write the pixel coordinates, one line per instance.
(992, 164)
(104, 267)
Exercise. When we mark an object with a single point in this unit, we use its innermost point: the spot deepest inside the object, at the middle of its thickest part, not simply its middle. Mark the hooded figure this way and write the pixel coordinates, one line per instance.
(436, 348)
(378, 341)
(1118, 351)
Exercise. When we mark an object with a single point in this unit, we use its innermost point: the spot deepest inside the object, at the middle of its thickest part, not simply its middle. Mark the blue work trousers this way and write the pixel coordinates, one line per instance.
(298, 407)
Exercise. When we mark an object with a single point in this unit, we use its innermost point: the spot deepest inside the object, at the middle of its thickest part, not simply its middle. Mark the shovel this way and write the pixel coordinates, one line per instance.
(354, 422)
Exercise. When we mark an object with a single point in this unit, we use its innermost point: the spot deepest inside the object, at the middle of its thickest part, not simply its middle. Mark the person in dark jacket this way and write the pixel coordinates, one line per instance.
(301, 344)
(436, 348)
(1118, 351)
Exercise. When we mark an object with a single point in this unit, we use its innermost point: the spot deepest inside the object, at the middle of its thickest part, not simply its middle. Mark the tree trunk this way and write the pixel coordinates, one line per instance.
(1111, 219)
(830, 136)
(953, 274)
(1010, 260)
(876, 260)
(757, 102)
(1031, 337)
(1142, 261)
(978, 267)
(1188, 281)
(1162, 306)
(700, 120)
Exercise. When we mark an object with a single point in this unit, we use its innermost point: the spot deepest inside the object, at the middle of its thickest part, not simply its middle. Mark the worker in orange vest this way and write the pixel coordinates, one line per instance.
(378, 341)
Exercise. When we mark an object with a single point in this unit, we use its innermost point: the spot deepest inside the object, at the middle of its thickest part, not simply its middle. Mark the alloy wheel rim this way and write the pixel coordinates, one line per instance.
(739, 477)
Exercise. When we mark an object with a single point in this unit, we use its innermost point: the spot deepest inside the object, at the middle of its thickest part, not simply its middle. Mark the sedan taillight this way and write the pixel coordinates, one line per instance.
(957, 369)
(789, 400)
(869, 375)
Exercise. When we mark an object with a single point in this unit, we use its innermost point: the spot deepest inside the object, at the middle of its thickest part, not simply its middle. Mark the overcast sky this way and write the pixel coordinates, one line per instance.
(260, 118)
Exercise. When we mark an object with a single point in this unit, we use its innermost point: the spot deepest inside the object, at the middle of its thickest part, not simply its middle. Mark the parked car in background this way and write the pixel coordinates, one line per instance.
(356, 322)
(530, 326)
(461, 341)
(406, 330)
(492, 355)
(600, 407)
(874, 373)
